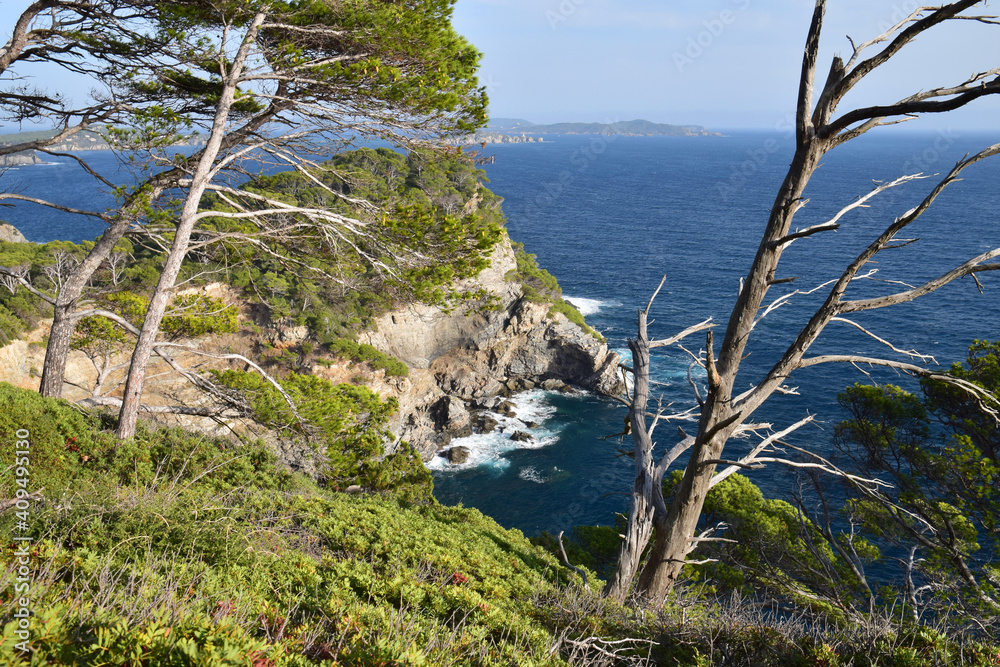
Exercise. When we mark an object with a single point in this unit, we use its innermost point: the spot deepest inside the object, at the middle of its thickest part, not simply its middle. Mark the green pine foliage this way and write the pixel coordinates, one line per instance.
(20, 310)
(364, 353)
(347, 426)
(431, 205)
(192, 315)
(774, 550)
(939, 452)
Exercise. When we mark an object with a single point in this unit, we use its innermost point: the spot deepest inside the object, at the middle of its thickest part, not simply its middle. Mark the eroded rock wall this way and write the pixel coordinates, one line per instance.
(460, 359)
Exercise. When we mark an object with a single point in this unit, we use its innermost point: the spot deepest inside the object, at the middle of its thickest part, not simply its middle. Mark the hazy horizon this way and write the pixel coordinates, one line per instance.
(724, 64)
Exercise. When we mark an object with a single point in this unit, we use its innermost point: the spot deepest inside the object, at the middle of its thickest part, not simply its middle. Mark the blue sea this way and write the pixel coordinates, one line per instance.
(609, 216)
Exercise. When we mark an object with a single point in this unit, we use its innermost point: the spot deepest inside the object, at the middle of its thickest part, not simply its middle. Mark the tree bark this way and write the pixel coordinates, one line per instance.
(63, 322)
(131, 400)
(640, 518)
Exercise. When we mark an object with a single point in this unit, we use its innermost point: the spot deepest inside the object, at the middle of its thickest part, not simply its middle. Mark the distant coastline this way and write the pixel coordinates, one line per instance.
(631, 128)
(518, 131)
(81, 141)
(490, 137)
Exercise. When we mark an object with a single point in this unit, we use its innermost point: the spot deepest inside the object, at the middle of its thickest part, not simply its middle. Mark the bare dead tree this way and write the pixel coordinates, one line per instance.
(57, 272)
(116, 265)
(17, 274)
(724, 414)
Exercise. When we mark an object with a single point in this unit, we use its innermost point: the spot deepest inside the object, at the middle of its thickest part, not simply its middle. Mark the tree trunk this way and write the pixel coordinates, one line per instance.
(676, 529)
(63, 322)
(640, 518)
(129, 414)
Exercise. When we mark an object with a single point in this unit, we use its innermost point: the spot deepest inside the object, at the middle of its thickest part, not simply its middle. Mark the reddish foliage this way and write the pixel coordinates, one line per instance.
(273, 626)
(225, 607)
(322, 651)
(260, 660)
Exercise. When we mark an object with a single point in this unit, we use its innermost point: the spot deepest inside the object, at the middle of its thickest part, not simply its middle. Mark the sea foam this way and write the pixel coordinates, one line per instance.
(488, 449)
(587, 306)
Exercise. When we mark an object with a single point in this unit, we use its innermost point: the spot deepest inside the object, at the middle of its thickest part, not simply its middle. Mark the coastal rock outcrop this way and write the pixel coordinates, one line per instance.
(20, 159)
(11, 234)
(463, 363)
(458, 358)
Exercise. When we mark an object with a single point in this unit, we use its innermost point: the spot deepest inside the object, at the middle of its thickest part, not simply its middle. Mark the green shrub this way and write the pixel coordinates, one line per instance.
(70, 449)
(574, 316)
(345, 422)
(538, 285)
(364, 353)
(192, 315)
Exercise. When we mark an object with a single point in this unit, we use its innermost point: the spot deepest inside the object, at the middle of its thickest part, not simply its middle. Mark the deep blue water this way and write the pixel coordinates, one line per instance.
(610, 216)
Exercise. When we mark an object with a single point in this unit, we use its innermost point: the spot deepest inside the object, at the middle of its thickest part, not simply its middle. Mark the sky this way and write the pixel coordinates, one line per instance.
(725, 64)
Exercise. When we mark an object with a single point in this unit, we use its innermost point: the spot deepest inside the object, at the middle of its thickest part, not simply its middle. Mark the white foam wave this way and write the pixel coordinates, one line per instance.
(530, 474)
(587, 306)
(487, 449)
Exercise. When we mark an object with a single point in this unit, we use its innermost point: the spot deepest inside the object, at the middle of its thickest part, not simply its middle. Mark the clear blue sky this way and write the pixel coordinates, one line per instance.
(726, 64)
(721, 63)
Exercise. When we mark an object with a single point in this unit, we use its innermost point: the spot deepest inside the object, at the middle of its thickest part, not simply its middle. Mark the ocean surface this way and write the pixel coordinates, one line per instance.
(609, 216)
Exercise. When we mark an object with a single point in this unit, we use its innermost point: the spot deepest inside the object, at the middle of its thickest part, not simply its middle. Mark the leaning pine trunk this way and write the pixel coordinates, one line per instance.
(63, 321)
(131, 401)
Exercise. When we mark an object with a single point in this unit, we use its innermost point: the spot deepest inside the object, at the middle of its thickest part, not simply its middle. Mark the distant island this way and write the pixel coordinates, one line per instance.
(85, 140)
(633, 128)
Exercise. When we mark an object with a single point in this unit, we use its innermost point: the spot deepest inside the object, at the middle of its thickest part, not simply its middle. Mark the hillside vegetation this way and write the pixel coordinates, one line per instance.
(177, 549)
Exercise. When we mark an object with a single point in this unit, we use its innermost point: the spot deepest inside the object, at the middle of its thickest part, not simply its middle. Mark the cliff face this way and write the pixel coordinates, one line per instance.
(459, 361)
(20, 159)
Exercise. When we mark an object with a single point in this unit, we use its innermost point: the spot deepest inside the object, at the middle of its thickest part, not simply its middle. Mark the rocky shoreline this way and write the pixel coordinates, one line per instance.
(493, 138)
(21, 159)
(463, 364)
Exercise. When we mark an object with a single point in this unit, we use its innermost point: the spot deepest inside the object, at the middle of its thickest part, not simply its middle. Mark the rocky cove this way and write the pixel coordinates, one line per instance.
(461, 363)
(464, 362)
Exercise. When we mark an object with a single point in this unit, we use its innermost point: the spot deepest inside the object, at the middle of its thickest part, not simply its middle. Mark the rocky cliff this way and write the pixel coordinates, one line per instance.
(461, 360)
(20, 159)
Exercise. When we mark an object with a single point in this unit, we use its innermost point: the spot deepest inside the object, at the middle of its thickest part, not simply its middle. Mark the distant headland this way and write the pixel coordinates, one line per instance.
(634, 128)
(84, 140)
